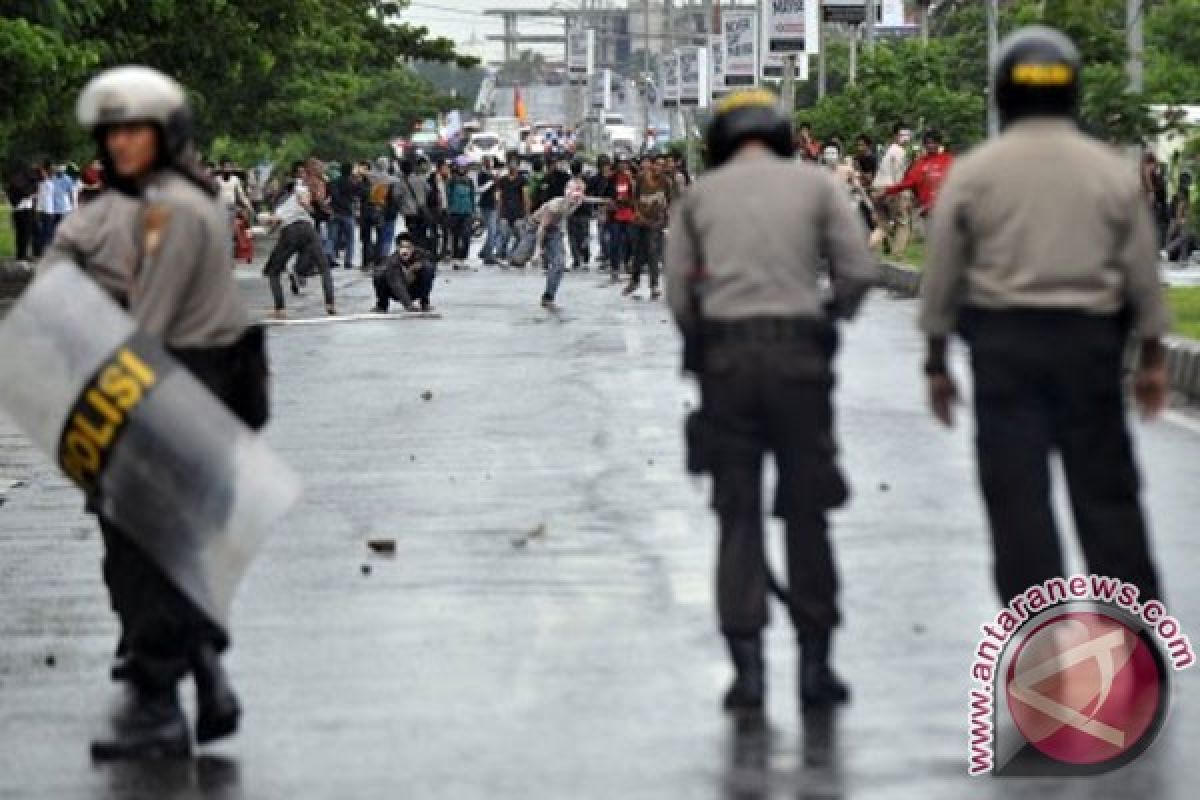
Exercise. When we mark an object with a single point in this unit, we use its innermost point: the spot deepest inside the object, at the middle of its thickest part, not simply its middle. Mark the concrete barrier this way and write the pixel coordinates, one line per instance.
(901, 279)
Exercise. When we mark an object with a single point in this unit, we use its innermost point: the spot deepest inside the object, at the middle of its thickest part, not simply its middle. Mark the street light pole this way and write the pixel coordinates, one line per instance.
(1134, 15)
(993, 44)
(870, 23)
(821, 76)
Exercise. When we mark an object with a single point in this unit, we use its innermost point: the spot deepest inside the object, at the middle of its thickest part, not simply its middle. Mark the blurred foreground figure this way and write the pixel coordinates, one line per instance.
(158, 243)
(743, 284)
(1043, 258)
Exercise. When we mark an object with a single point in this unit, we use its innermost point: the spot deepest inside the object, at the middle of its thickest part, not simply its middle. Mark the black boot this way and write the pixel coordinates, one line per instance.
(217, 707)
(149, 725)
(820, 686)
(748, 690)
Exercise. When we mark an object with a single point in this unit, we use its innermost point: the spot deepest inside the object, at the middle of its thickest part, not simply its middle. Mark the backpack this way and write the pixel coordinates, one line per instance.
(380, 194)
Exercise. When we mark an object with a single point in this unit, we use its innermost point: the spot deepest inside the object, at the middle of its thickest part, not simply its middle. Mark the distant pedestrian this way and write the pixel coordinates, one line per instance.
(486, 188)
(651, 207)
(622, 206)
(551, 221)
(22, 191)
(512, 198)
(579, 226)
(461, 205)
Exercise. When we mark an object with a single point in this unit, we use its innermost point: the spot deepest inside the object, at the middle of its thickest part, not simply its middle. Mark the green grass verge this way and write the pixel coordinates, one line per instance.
(1185, 307)
(914, 254)
(8, 247)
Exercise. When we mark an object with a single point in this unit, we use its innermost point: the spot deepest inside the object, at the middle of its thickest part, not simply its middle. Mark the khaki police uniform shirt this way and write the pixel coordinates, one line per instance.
(165, 256)
(760, 227)
(1043, 217)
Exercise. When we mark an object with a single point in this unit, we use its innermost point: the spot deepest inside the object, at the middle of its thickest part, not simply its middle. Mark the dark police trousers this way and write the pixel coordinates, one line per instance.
(767, 388)
(1051, 381)
(160, 626)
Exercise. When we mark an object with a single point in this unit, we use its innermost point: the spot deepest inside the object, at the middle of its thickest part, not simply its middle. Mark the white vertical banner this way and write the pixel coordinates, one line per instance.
(600, 90)
(892, 13)
(693, 77)
(740, 28)
(716, 63)
(791, 26)
(581, 54)
(669, 65)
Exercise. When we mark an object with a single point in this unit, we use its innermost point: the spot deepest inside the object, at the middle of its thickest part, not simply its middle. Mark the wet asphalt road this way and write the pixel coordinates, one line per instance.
(545, 628)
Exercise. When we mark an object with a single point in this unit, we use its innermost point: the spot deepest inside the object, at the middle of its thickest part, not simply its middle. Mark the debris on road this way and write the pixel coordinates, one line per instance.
(883, 487)
(537, 533)
(366, 569)
(383, 547)
(51, 661)
(427, 395)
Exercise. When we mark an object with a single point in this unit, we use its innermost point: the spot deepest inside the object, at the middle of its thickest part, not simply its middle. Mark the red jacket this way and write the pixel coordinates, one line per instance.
(925, 177)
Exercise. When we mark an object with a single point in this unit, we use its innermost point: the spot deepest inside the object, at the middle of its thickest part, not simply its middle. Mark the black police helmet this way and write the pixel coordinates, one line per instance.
(1036, 75)
(745, 116)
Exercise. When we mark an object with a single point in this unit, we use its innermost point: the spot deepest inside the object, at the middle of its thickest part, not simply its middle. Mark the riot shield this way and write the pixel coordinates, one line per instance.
(155, 451)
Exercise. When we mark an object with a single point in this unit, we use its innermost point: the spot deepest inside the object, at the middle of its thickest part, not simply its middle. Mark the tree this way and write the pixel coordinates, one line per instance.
(944, 84)
(258, 71)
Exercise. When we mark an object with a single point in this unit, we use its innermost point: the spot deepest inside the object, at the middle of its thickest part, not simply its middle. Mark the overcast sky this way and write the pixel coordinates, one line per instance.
(459, 19)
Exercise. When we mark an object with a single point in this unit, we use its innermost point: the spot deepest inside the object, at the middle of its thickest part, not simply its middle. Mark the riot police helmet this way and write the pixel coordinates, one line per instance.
(1036, 75)
(135, 94)
(751, 115)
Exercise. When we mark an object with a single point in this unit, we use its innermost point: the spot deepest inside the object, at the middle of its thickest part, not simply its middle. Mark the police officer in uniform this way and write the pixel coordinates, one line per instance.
(1042, 257)
(158, 243)
(749, 243)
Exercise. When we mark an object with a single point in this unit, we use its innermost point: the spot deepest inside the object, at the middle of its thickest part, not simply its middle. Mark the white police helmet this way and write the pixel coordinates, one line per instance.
(137, 94)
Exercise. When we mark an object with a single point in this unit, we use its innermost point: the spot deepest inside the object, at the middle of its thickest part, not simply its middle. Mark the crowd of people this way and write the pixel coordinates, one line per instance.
(409, 217)
(42, 195)
(613, 215)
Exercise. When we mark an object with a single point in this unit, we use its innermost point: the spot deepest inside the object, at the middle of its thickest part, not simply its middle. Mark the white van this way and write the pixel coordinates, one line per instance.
(507, 129)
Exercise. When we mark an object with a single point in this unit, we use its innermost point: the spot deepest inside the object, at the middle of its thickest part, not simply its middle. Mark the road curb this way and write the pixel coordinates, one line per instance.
(1183, 355)
(900, 279)
(14, 275)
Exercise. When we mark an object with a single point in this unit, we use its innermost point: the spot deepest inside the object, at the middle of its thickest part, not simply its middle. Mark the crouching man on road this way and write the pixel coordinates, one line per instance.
(406, 278)
(742, 282)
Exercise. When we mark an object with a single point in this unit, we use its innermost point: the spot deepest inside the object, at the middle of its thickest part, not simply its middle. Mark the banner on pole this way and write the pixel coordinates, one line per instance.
(581, 54)
(600, 90)
(693, 77)
(791, 26)
(669, 65)
(716, 62)
(740, 28)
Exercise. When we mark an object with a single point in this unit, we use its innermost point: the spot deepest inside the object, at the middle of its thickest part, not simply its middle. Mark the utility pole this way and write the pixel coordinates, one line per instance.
(870, 23)
(1134, 16)
(669, 20)
(646, 37)
(923, 16)
(821, 77)
(855, 30)
(993, 45)
(788, 100)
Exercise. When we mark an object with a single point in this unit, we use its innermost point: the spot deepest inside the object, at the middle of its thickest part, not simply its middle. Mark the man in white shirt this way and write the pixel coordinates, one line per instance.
(897, 209)
(47, 217)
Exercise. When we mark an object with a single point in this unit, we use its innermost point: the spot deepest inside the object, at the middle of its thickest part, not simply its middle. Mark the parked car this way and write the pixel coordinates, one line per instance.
(429, 144)
(484, 144)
